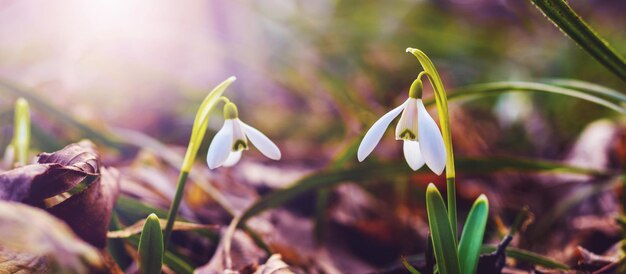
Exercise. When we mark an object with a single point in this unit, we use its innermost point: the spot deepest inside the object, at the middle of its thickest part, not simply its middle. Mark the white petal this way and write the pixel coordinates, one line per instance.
(239, 138)
(233, 158)
(260, 141)
(413, 155)
(407, 126)
(430, 140)
(220, 146)
(373, 135)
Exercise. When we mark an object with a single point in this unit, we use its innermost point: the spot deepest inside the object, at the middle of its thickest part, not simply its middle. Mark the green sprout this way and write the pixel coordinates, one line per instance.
(20, 144)
(151, 246)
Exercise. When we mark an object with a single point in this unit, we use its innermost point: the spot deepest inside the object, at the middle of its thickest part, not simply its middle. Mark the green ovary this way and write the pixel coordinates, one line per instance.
(240, 145)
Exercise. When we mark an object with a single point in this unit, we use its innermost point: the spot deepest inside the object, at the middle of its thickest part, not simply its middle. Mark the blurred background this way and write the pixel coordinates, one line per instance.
(305, 63)
(313, 76)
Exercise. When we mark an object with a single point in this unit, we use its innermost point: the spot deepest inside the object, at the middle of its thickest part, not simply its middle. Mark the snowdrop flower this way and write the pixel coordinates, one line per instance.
(423, 142)
(232, 139)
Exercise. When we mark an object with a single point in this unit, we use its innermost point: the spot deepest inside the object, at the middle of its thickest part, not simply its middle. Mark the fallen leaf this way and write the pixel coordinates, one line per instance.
(35, 242)
(89, 211)
(54, 173)
(244, 254)
(71, 185)
(274, 265)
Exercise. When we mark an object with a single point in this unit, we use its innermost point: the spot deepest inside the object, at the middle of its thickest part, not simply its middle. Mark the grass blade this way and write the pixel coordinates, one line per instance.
(575, 198)
(444, 243)
(562, 15)
(472, 237)
(527, 256)
(591, 88)
(487, 89)
(370, 171)
(175, 262)
(409, 267)
(151, 246)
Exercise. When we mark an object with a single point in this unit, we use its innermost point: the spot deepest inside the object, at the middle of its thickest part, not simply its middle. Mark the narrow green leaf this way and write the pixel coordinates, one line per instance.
(591, 88)
(472, 237)
(409, 267)
(21, 131)
(324, 194)
(444, 243)
(128, 205)
(511, 252)
(527, 256)
(129, 210)
(562, 15)
(608, 100)
(558, 210)
(151, 246)
(175, 262)
(372, 171)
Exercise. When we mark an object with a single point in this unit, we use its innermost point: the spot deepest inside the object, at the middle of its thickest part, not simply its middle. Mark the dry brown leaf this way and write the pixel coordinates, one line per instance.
(35, 242)
(53, 181)
(274, 265)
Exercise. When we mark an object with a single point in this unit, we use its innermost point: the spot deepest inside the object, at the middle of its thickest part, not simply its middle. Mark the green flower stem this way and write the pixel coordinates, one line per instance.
(198, 131)
(224, 99)
(451, 193)
(444, 120)
(171, 216)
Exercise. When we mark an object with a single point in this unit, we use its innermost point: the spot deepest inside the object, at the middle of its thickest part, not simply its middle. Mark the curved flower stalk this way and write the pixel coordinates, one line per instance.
(198, 130)
(232, 139)
(423, 143)
(452, 256)
(415, 122)
(444, 121)
(225, 149)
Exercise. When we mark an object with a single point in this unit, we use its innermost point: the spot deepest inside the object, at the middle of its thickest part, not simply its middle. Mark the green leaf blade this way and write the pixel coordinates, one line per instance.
(472, 237)
(603, 97)
(444, 243)
(527, 256)
(409, 267)
(572, 25)
(151, 246)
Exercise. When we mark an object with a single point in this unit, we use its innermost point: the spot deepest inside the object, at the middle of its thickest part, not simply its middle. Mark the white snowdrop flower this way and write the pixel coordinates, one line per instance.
(423, 142)
(232, 139)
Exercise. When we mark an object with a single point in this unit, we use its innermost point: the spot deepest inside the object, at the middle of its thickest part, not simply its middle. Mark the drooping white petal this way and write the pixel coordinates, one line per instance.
(233, 158)
(373, 135)
(221, 145)
(261, 142)
(407, 126)
(430, 140)
(413, 155)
